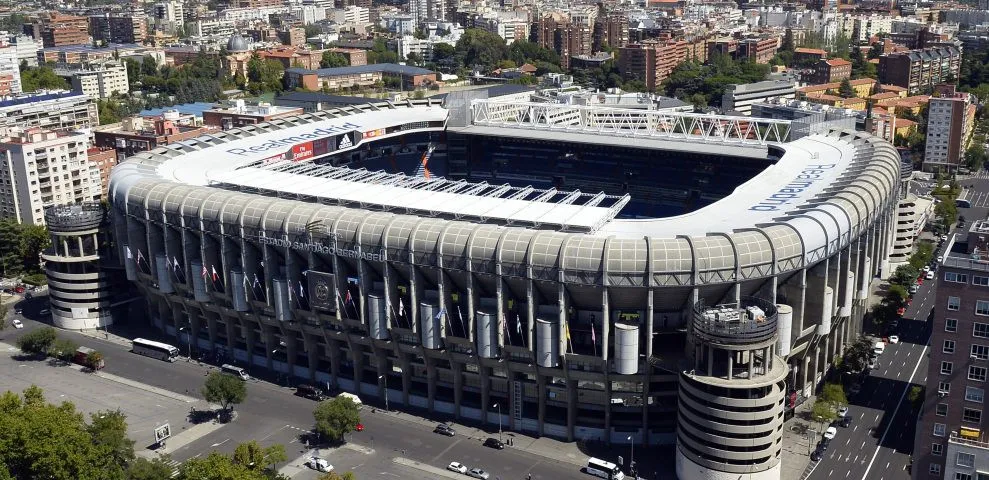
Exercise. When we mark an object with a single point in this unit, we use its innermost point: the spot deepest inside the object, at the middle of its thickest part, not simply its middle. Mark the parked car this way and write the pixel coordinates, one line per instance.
(817, 455)
(494, 443)
(310, 392)
(830, 433)
(894, 339)
(457, 467)
(478, 473)
(17, 323)
(359, 427)
(842, 412)
(444, 429)
(319, 464)
(871, 364)
(845, 421)
(914, 289)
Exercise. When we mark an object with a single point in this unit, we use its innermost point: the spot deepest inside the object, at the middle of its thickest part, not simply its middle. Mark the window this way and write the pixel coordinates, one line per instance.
(956, 277)
(964, 459)
(963, 476)
(948, 347)
(951, 325)
(946, 368)
(980, 281)
(980, 330)
(954, 303)
(974, 394)
(939, 429)
(976, 373)
(943, 387)
(980, 351)
(941, 410)
(973, 415)
(935, 469)
(981, 307)
(937, 449)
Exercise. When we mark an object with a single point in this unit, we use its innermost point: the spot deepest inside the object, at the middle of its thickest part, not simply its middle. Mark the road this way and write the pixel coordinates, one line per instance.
(272, 414)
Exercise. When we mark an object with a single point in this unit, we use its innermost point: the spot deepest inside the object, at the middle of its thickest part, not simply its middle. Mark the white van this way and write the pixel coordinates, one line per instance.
(352, 397)
(235, 371)
(879, 348)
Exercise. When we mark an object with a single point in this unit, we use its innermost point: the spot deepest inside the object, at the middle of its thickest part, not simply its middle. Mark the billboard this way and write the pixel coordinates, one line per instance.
(323, 146)
(273, 159)
(302, 151)
(322, 290)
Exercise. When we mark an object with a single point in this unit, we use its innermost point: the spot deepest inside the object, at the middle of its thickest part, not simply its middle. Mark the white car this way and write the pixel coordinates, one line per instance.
(17, 323)
(319, 464)
(457, 467)
(927, 268)
(894, 339)
(842, 412)
(830, 433)
(478, 473)
(929, 276)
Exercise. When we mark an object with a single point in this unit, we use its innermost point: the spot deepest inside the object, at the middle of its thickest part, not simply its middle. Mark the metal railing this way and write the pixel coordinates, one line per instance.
(744, 330)
(69, 218)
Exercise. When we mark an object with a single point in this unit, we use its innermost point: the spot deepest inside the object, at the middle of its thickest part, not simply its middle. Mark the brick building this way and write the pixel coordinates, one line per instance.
(241, 114)
(56, 30)
(557, 32)
(408, 77)
(651, 61)
(610, 30)
(830, 71)
(119, 27)
(758, 50)
(139, 134)
(104, 159)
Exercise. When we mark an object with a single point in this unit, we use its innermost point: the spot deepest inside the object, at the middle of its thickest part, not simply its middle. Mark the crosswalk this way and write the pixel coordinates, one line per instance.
(979, 199)
(982, 174)
(175, 467)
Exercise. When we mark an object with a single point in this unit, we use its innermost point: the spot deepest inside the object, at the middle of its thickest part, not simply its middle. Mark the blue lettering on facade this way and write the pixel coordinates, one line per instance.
(317, 134)
(807, 177)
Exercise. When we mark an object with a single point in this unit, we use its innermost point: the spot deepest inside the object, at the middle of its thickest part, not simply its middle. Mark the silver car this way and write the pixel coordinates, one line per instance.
(478, 473)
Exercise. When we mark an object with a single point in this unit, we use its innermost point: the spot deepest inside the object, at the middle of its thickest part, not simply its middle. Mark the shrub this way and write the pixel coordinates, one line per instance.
(38, 341)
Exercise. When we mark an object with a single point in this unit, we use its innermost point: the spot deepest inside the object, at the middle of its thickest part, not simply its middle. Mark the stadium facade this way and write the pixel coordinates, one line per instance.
(426, 252)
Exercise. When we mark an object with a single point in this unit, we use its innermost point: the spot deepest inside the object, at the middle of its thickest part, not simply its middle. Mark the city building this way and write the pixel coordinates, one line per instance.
(809, 55)
(950, 441)
(41, 168)
(27, 49)
(119, 27)
(98, 81)
(740, 98)
(516, 280)
(408, 77)
(758, 50)
(565, 34)
(56, 30)
(293, 57)
(920, 70)
(139, 134)
(950, 121)
(830, 71)
(316, 101)
(241, 114)
(84, 54)
(610, 31)
(912, 213)
(10, 73)
(58, 111)
(651, 61)
(104, 159)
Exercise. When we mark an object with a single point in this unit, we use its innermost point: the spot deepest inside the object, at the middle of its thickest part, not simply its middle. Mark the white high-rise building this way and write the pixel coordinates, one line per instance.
(10, 73)
(98, 81)
(39, 168)
(27, 49)
(950, 119)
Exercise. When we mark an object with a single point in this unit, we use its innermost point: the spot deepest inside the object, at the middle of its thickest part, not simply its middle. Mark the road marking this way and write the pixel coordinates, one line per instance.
(896, 410)
(447, 449)
(221, 443)
(887, 465)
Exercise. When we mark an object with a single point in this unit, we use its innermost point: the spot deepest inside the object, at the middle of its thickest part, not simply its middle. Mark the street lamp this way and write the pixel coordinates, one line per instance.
(188, 343)
(631, 459)
(381, 377)
(498, 406)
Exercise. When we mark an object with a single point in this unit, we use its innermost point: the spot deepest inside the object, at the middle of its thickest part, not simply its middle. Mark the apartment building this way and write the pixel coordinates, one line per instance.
(950, 442)
(758, 50)
(27, 49)
(409, 77)
(834, 70)
(740, 98)
(103, 160)
(97, 81)
(139, 134)
(119, 27)
(920, 70)
(78, 54)
(41, 168)
(651, 61)
(56, 30)
(10, 74)
(610, 30)
(241, 114)
(565, 35)
(50, 111)
(950, 121)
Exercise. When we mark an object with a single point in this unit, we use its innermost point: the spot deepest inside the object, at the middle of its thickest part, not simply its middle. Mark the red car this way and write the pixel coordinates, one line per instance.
(19, 289)
(360, 427)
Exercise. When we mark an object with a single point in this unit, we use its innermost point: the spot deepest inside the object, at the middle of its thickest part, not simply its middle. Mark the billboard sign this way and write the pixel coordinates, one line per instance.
(302, 151)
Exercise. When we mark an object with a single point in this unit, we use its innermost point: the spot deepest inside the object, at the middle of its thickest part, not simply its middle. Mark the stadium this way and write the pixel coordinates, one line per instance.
(580, 272)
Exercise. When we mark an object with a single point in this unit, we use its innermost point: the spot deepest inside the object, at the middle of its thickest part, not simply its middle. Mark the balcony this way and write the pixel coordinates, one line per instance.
(736, 324)
(978, 442)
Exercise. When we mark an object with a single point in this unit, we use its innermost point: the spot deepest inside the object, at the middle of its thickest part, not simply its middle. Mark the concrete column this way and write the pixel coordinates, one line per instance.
(541, 404)
(731, 365)
(210, 330)
(485, 377)
(382, 370)
(250, 337)
(291, 350)
(334, 348)
(357, 357)
(607, 405)
(650, 318)
(752, 362)
(710, 360)
(430, 382)
(406, 377)
(530, 314)
(312, 354)
(270, 343)
(233, 333)
(470, 302)
(458, 388)
(605, 331)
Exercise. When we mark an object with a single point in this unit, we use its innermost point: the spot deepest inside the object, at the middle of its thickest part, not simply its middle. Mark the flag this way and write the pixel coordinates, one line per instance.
(348, 298)
(175, 263)
(568, 331)
(301, 290)
(401, 307)
(518, 323)
(594, 338)
(205, 272)
(129, 254)
(257, 283)
(215, 275)
(440, 313)
(140, 256)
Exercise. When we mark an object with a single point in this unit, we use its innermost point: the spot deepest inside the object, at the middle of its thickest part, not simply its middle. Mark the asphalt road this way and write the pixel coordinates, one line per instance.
(272, 414)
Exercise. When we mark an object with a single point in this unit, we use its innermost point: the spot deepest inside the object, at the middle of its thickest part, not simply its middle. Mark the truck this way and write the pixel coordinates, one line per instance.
(83, 357)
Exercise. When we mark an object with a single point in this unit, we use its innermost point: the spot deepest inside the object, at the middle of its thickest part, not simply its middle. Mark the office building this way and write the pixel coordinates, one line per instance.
(99, 81)
(566, 34)
(920, 70)
(951, 441)
(41, 168)
(758, 50)
(740, 98)
(49, 111)
(121, 27)
(950, 121)
(27, 49)
(651, 61)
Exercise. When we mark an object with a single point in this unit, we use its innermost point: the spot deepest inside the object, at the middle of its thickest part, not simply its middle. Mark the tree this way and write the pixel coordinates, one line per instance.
(94, 359)
(217, 466)
(414, 59)
(845, 89)
(975, 156)
(63, 349)
(144, 469)
(227, 390)
(258, 458)
(38, 341)
(333, 60)
(336, 417)
(336, 476)
(823, 412)
(481, 48)
(916, 396)
(834, 394)
(109, 432)
(42, 78)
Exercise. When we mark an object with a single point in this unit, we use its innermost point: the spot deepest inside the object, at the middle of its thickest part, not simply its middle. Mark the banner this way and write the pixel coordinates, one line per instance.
(322, 288)
(302, 151)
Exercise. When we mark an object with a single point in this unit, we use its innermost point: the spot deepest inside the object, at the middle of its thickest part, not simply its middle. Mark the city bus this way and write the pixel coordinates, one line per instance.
(962, 201)
(153, 349)
(603, 469)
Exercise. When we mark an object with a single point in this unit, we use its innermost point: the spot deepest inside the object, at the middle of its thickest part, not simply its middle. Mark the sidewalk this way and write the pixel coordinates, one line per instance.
(798, 441)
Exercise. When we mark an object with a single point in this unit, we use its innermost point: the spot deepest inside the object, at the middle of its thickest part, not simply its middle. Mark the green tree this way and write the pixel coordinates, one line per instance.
(337, 476)
(414, 59)
(34, 240)
(333, 60)
(144, 469)
(916, 396)
(41, 78)
(227, 390)
(845, 89)
(975, 156)
(481, 48)
(834, 394)
(217, 466)
(63, 349)
(37, 341)
(380, 53)
(109, 432)
(336, 417)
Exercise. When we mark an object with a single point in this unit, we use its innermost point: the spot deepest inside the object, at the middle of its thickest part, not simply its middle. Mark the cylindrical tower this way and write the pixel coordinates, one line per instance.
(729, 424)
(80, 291)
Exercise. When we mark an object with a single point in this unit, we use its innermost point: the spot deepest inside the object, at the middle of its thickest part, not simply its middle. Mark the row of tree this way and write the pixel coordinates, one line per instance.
(20, 247)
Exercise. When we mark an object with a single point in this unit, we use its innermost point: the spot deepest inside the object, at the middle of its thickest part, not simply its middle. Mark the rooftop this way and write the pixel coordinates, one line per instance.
(392, 68)
(42, 97)
(110, 48)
